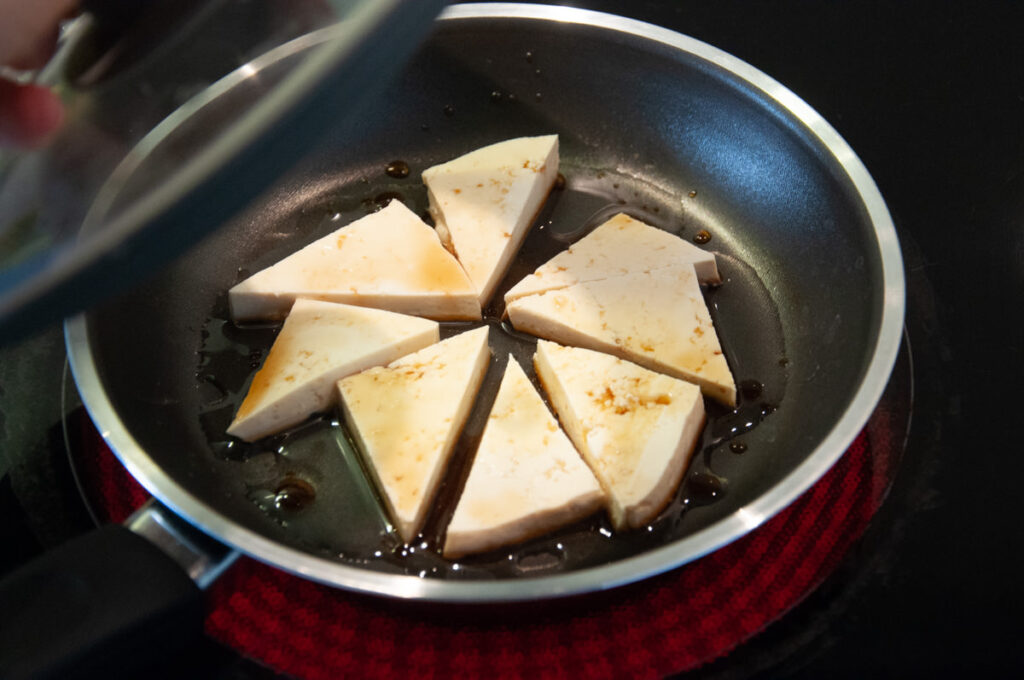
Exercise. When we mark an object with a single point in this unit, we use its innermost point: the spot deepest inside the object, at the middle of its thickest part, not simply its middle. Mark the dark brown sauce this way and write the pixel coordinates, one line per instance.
(750, 390)
(737, 447)
(449, 110)
(701, 237)
(704, 488)
(397, 169)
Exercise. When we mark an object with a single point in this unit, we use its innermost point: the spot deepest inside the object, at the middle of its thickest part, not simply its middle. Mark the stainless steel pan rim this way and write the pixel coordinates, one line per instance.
(636, 568)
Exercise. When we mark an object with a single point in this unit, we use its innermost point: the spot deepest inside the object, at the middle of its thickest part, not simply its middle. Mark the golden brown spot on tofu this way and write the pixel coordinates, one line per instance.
(457, 191)
(506, 234)
(663, 399)
(432, 272)
(526, 164)
(289, 378)
(340, 241)
(479, 185)
(698, 331)
(559, 269)
(647, 348)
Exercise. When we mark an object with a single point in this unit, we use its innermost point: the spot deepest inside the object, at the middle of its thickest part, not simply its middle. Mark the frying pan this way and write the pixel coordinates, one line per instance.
(652, 123)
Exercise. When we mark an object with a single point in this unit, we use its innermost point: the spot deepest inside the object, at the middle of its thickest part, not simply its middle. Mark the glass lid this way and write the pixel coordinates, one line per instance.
(177, 114)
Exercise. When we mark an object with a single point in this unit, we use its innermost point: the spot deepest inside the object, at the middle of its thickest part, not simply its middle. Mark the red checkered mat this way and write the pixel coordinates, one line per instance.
(668, 624)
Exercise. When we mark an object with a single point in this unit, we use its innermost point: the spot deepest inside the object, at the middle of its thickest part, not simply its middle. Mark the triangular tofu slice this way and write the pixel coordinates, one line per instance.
(622, 245)
(636, 429)
(407, 416)
(526, 478)
(484, 202)
(388, 260)
(657, 319)
(320, 343)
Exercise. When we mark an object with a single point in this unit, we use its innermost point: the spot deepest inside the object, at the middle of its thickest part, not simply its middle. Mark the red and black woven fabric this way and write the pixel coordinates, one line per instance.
(668, 624)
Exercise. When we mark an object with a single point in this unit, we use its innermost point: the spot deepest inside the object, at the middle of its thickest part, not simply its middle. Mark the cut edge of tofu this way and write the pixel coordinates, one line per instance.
(254, 306)
(706, 267)
(459, 543)
(247, 301)
(408, 529)
(318, 393)
(625, 514)
(487, 288)
(545, 326)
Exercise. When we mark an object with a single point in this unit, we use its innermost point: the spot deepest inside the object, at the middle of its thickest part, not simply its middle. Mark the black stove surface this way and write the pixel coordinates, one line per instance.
(931, 96)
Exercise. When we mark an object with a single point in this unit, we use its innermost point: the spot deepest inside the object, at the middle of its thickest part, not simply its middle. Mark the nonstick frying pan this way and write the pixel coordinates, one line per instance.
(651, 123)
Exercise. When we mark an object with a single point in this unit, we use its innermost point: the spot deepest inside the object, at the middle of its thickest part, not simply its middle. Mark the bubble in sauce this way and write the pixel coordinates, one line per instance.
(294, 494)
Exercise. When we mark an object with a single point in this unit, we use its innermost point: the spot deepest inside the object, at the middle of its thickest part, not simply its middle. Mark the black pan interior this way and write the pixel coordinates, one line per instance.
(664, 136)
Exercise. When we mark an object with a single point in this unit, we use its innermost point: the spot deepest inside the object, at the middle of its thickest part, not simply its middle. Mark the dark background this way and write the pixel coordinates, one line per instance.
(931, 96)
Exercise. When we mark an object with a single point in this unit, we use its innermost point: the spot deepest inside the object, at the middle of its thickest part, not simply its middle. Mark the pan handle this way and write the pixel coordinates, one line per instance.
(116, 599)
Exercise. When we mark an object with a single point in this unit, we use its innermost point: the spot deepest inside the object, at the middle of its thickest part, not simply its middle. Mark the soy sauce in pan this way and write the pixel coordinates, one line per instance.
(334, 511)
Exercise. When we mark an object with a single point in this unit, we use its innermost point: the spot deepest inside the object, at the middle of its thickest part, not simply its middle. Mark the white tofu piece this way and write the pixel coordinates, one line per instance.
(320, 343)
(407, 416)
(388, 260)
(526, 478)
(622, 245)
(657, 319)
(636, 429)
(483, 203)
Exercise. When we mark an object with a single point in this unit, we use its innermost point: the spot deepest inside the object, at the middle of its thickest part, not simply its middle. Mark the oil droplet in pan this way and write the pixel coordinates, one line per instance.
(702, 236)
(397, 169)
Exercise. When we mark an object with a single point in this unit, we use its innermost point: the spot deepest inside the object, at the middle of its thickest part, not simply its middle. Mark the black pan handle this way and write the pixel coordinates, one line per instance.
(105, 603)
